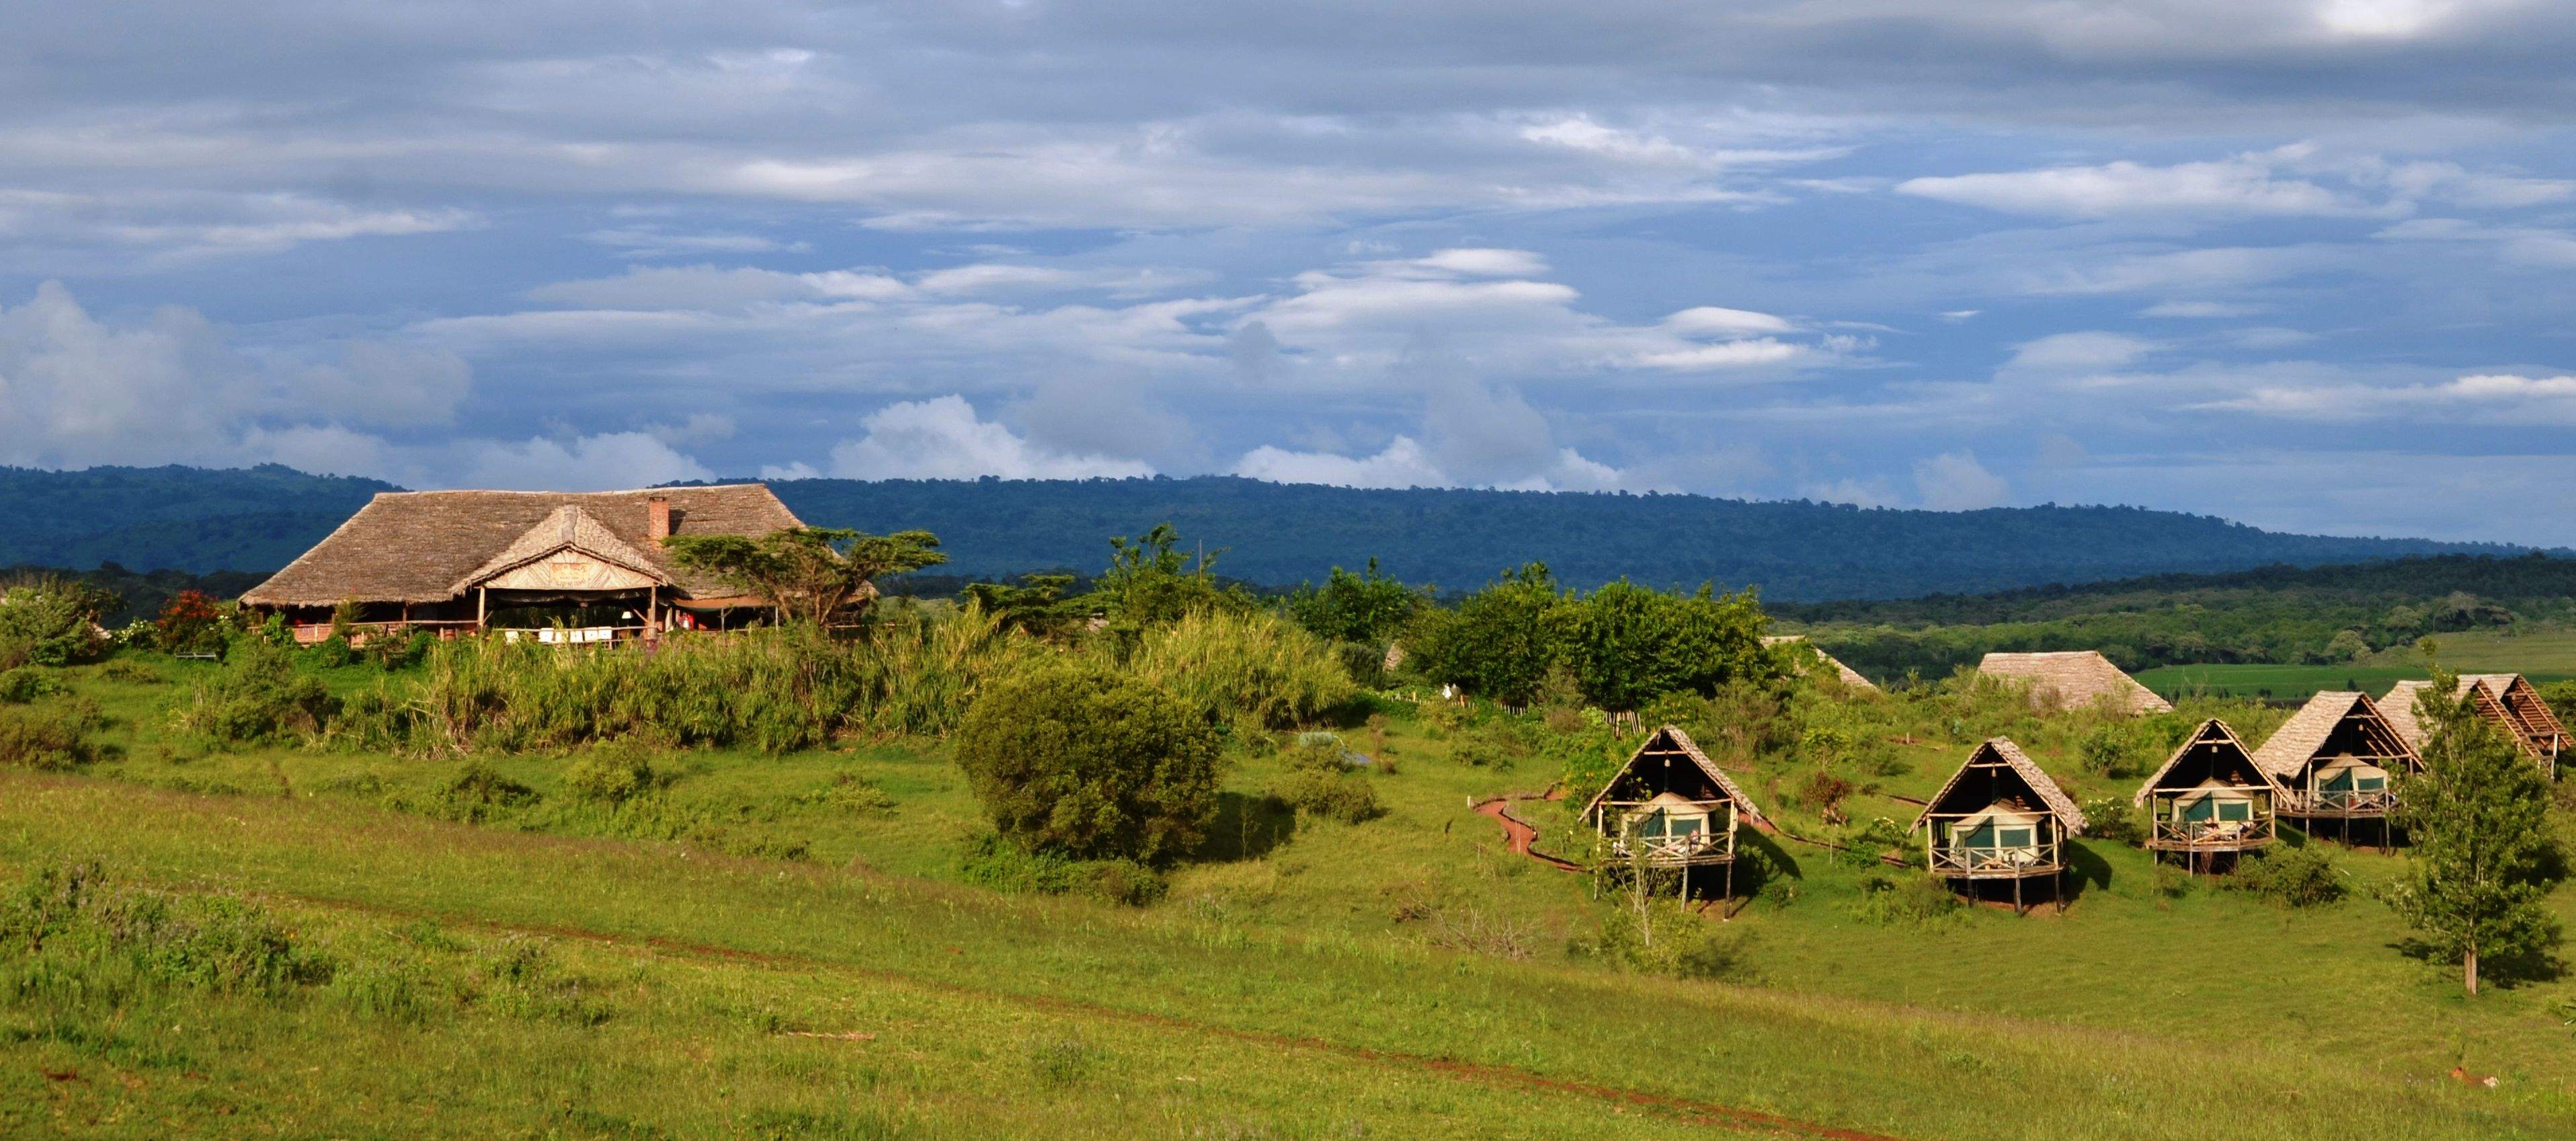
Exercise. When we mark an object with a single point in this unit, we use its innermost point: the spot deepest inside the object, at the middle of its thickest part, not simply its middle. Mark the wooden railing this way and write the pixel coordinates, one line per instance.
(318, 632)
(2220, 835)
(2344, 802)
(1695, 848)
(2029, 859)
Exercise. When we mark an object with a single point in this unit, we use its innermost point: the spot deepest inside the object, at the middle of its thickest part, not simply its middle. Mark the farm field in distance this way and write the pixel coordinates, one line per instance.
(801, 945)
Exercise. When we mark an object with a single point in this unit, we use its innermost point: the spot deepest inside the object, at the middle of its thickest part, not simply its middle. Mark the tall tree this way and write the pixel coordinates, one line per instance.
(1150, 582)
(1627, 645)
(806, 572)
(2478, 814)
(1499, 643)
(1368, 607)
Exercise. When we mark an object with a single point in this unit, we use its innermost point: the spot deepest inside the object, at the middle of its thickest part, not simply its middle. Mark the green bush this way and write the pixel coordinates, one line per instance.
(1912, 898)
(27, 683)
(116, 935)
(478, 793)
(991, 861)
(1332, 795)
(2114, 819)
(2304, 876)
(1088, 764)
(611, 774)
(50, 622)
(55, 736)
(259, 696)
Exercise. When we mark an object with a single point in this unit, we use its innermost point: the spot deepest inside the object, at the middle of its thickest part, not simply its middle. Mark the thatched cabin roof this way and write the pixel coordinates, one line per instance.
(2002, 751)
(1671, 739)
(432, 546)
(2294, 745)
(2074, 679)
(2229, 762)
(2508, 700)
(1850, 677)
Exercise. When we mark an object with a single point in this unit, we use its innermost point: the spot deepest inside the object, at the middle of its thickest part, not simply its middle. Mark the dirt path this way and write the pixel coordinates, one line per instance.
(1519, 834)
(1687, 1110)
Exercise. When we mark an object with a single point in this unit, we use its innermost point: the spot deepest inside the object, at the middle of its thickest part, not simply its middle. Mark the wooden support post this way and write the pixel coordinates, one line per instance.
(2017, 896)
(1725, 902)
(482, 608)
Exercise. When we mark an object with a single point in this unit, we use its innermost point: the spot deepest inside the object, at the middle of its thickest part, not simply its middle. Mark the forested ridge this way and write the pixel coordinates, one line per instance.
(1274, 535)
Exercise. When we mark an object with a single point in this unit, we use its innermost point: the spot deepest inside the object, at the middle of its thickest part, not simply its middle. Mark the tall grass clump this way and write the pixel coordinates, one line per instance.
(80, 933)
(1253, 668)
(259, 696)
(775, 691)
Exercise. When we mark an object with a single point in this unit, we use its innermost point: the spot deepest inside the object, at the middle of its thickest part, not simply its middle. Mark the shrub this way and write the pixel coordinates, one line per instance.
(1088, 764)
(25, 684)
(52, 737)
(2114, 819)
(991, 861)
(1331, 795)
(612, 774)
(1254, 668)
(1892, 898)
(850, 793)
(50, 622)
(259, 696)
(2304, 876)
(78, 916)
(190, 623)
(477, 793)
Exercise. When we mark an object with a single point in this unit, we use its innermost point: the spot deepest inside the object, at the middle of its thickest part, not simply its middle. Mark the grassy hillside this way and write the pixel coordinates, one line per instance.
(788, 946)
(1273, 534)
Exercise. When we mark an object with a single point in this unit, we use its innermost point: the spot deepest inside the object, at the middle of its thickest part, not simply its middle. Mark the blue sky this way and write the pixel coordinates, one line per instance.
(2306, 265)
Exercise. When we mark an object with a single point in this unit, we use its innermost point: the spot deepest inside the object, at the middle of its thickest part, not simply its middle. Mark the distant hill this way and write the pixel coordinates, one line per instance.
(1277, 534)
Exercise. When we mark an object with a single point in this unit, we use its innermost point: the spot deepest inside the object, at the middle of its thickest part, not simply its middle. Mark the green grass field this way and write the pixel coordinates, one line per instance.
(1400, 976)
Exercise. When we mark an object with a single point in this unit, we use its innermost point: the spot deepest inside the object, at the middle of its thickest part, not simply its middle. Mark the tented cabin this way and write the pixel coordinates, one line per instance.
(2000, 818)
(2508, 701)
(1671, 807)
(2336, 761)
(546, 566)
(1843, 673)
(2073, 679)
(2209, 800)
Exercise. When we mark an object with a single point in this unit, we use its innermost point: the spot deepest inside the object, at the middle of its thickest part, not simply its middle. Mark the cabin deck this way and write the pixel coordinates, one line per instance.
(2191, 836)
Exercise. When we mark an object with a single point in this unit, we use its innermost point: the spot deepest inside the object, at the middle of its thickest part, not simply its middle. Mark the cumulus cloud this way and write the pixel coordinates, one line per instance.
(1955, 481)
(943, 438)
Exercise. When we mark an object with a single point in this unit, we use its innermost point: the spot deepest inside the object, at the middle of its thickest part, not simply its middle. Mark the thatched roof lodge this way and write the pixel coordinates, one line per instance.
(2000, 817)
(586, 566)
(2209, 797)
(1849, 676)
(1670, 806)
(2073, 679)
(2336, 757)
(2508, 701)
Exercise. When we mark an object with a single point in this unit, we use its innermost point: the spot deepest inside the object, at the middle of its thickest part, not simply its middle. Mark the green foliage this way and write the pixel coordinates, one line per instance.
(1151, 583)
(1085, 763)
(1366, 608)
(259, 696)
(1243, 665)
(1320, 782)
(1917, 898)
(51, 736)
(63, 916)
(1498, 644)
(1665, 937)
(612, 774)
(2478, 816)
(2303, 876)
(519, 978)
(478, 793)
(807, 572)
(1627, 645)
(189, 623)
(994, 862)
(27, 683)
(2114, 819)
(50, 621)
(1035, 605)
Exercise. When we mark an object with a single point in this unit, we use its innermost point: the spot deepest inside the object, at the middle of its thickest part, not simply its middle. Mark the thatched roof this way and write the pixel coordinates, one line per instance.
(2002, 751)
(2074, 679)
(1850, 677)
(1671, 739)
(2294, 745)
(2229, 756)
(431, 546)
(2508, 700)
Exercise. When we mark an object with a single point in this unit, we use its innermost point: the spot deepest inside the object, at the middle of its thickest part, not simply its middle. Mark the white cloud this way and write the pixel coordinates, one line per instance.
(2083, 352)
(584, 463)
(943, 438)
(2499, 399)
(1402, 464)
(2199, 310)
(1715, 319)
(1955, 481)
(2242, 185)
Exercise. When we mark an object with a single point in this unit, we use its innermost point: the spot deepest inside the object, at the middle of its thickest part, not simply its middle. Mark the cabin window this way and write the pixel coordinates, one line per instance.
(1686, 825)
(1649, 824)
(2234, 810)
(2370, 784)
(2200, 811)
(2012, 837)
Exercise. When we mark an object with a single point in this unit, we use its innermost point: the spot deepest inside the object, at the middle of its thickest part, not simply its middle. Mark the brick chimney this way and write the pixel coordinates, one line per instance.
(657, 518)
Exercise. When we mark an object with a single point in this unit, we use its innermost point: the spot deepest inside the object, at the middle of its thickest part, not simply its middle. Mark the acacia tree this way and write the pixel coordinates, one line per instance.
(2479, 817)
(806, 572)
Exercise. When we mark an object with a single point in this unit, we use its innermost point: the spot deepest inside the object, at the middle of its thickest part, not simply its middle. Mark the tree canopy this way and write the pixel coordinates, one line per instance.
(1086, 763)
(807, 572)
(2483, 858)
